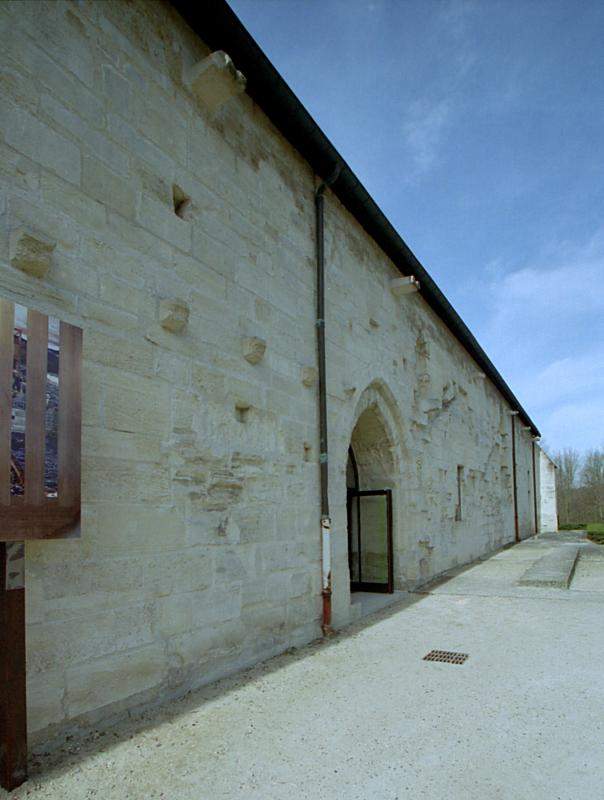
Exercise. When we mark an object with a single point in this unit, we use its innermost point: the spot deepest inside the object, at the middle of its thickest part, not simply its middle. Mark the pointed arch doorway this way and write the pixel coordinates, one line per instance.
(369, 479)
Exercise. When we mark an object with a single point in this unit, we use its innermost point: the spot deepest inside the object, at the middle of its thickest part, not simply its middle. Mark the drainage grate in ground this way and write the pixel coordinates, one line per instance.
(447, 656)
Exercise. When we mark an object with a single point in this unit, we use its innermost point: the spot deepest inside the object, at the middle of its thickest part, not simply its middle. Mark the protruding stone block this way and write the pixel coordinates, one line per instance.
(30, 251)
(402, 286)
(173, 315)
(309, 376)
(215, 80)
(253, 349)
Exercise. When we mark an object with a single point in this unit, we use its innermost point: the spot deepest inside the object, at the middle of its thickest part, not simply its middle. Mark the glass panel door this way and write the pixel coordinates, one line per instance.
(353, 537)
(370, 540)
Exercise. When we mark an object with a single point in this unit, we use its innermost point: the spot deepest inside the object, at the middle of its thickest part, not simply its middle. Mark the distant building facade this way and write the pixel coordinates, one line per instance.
(184, 229)
(548, 518)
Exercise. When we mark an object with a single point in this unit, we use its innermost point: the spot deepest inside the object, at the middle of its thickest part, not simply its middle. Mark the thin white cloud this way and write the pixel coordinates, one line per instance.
(428, 119)
(546, 333)
(565, 378)
(579, 425)
(423, 131)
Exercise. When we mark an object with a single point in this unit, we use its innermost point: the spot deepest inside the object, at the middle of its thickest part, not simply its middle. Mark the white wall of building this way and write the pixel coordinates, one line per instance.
(549, 513)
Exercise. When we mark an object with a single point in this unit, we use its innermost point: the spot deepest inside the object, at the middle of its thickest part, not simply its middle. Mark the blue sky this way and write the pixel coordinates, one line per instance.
(478, 127)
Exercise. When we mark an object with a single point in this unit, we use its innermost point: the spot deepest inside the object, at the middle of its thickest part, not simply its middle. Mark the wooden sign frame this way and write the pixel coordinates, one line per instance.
(33, 514)
(40, 465)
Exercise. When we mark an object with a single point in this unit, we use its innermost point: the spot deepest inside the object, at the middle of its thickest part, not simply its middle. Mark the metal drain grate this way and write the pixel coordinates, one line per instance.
(447, 656)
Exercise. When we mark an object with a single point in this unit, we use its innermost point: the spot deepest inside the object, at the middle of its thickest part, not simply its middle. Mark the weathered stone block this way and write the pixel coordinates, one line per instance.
(79, 639)
(173, 315)
(138, 528)
(174, 614)
(113, 678)
(135, 404)
(109, 188)
(156, 217)
(41, 143)
(44, 696)
(215, 80)
(30, 251)
(253, 349)
(107, 315)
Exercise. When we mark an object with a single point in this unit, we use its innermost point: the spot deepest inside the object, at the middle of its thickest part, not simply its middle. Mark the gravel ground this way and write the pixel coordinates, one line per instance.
(362, 716)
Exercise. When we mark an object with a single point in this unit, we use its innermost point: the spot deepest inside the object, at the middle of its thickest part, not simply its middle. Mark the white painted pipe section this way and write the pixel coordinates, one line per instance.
(326, 552)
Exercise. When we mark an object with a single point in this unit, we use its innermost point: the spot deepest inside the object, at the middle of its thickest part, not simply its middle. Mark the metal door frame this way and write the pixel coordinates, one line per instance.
(360, 585)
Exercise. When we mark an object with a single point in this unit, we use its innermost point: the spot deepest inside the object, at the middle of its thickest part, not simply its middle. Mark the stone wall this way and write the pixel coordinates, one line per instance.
(200, 550)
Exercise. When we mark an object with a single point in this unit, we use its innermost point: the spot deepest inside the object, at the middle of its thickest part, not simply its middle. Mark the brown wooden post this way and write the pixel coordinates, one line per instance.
(33, 515)
(13, 722)
(7, 315)
(13, 707)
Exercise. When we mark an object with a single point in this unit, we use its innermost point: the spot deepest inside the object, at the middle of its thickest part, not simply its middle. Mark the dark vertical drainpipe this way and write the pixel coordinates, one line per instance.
(323, 446)
(514, 479)
(535, 490)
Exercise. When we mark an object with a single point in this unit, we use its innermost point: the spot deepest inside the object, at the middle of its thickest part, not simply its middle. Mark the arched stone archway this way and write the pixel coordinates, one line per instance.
(379, 398)
(376, 423)
(372, 477)
(374, 450)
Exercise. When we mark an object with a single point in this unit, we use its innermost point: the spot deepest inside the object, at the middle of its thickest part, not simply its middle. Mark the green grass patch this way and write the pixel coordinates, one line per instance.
(578, 526)
(595, 532)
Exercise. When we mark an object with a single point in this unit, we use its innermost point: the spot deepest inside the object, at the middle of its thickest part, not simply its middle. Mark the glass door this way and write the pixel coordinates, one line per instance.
(370, 540)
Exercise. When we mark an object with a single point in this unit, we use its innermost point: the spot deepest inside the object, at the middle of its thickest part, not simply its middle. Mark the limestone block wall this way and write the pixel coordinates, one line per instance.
(396, 355)
(200, 547)
(180, 241)
(548, 518)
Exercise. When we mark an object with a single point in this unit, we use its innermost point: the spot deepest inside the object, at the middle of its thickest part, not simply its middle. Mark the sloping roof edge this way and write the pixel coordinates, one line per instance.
(220, 29)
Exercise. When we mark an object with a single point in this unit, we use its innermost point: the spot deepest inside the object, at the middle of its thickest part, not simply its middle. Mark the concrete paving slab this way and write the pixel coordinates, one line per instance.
(594, 552)
(589, 574)
(554, 569)
(362, 716)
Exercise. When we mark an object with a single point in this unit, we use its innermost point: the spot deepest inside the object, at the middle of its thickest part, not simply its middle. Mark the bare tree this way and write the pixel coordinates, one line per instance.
(568, 462)
(592, 472)
(580, 485)
(592, 483)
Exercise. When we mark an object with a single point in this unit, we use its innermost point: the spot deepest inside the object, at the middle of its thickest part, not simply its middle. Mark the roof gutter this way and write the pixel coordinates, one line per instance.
(220, 29)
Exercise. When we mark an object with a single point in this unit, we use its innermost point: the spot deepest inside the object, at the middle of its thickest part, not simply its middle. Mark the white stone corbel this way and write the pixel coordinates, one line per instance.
(309, 376)
(215, 80)
(403, 286)
(253, 349)
(173, 315)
